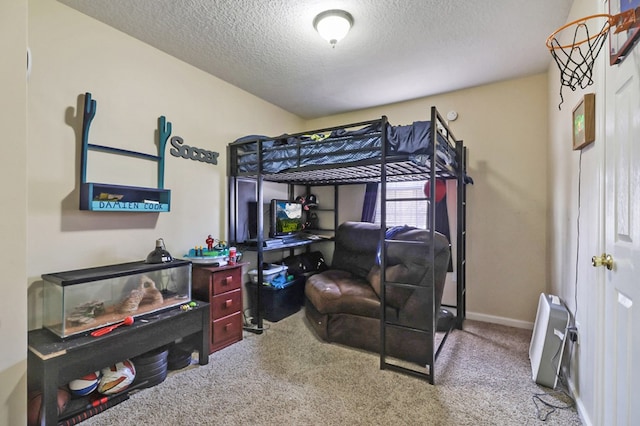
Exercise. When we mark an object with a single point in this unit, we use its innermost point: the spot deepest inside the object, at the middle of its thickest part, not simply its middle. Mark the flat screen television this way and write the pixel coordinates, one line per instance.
(286, 218)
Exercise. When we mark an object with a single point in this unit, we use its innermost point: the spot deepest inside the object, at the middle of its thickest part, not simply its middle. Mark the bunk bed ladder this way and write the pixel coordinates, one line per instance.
(428, 373)
(461, 245)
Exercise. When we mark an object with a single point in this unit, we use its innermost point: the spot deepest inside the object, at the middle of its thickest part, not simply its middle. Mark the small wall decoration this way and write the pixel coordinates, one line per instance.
(620, 44)
(179, 149)
(584, 123)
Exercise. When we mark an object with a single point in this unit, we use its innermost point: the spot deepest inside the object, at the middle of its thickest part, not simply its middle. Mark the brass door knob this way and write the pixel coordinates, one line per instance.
(604, 260)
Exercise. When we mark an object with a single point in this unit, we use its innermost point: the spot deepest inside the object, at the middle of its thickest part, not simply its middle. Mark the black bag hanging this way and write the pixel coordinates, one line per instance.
(305, 263)
(312, 221)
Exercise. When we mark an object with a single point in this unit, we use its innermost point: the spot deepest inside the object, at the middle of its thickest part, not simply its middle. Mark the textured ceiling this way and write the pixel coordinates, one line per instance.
(397, 49)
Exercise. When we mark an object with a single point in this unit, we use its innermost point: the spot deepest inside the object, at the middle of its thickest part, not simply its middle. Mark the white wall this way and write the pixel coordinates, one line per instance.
(13, 226)
(575, 223)
(575, 220)
(505, 127)
(133, 84)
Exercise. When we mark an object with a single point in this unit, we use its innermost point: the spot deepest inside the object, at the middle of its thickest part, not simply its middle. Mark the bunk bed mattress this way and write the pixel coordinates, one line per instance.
(340, 147)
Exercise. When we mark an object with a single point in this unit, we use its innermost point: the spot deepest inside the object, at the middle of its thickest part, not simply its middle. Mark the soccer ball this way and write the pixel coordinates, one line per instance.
(117, 377)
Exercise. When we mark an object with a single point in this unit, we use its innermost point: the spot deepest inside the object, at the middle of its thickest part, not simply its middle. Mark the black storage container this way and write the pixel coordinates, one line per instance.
(277, 303)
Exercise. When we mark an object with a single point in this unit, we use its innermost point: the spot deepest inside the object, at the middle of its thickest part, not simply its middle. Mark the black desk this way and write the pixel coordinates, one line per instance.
(53, 362)
(286, 244)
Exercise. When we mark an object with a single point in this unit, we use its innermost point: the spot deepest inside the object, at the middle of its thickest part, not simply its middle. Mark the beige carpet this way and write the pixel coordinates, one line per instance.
(287, 376)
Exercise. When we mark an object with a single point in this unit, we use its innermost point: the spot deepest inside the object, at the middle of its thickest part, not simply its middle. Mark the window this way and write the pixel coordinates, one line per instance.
(411, 209)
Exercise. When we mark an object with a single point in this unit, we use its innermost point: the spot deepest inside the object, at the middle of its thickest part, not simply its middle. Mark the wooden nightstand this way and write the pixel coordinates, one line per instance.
(222, 288)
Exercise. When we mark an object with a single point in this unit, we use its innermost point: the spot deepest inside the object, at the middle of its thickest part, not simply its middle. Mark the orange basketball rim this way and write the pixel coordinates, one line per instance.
(622, 22)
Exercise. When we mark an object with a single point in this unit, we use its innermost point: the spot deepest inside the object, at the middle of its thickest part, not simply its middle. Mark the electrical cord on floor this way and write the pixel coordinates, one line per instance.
(551, 407)
(540, 403)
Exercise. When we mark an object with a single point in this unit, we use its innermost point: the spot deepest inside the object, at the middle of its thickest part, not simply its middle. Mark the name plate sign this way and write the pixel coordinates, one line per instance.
(131, 206)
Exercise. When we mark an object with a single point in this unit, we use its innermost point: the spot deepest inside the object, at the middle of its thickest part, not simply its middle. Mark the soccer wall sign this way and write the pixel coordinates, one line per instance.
(179, 149)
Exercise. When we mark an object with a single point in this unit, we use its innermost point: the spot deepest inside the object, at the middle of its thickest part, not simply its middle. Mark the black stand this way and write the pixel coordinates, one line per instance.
(53, 362)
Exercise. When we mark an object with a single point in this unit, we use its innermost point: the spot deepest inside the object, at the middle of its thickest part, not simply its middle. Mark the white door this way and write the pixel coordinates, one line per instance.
(622, 241)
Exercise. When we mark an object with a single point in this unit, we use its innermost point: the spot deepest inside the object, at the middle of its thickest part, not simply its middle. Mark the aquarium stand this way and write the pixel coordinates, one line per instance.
(54, 362)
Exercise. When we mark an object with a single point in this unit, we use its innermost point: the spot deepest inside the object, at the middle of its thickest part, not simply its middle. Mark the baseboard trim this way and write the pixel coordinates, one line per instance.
(500, 320)
(582, 412)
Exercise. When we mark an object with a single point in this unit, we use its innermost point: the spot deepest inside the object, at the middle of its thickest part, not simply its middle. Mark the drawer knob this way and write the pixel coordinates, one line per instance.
(227, 303)
(228, 280)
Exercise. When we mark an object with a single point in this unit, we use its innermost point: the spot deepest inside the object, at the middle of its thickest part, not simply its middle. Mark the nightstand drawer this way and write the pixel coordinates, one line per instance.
(226, 304)
(222, 288)
(225, 330)
(226, 280)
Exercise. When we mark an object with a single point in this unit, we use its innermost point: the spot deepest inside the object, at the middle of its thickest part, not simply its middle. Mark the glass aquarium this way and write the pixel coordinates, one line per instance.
(85, 299)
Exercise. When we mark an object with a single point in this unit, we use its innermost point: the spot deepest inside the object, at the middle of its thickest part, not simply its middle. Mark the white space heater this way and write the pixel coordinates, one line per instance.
(547, 341)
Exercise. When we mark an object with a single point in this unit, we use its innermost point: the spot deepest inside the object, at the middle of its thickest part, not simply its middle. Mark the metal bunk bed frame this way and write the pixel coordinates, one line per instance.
(383, 169)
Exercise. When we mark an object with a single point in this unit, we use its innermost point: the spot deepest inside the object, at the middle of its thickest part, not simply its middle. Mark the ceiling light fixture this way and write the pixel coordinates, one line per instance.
(333, 25)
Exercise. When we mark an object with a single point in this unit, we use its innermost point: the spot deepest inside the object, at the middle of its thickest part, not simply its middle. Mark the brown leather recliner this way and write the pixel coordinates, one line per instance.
(343, 304)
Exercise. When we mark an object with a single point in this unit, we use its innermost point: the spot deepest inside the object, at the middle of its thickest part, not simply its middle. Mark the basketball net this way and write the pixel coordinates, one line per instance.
(576, 60)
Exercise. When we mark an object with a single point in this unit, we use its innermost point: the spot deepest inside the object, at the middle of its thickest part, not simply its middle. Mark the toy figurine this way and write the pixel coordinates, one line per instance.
(210, 242)
(221, 245)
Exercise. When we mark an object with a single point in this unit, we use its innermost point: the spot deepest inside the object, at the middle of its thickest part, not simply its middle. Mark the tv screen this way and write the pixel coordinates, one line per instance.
(286, 218)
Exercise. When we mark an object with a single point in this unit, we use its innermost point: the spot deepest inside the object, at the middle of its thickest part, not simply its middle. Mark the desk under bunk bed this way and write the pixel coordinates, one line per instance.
(360, 153)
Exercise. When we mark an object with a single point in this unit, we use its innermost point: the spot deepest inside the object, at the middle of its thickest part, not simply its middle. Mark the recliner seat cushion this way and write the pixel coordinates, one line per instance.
(336, 291)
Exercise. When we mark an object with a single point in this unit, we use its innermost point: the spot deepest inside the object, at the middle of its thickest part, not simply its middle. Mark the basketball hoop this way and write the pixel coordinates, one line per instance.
(576, 59)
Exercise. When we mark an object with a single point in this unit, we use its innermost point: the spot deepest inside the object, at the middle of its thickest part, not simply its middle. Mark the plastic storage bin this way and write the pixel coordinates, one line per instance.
(84, 299)
(277, 303)
(268, 274)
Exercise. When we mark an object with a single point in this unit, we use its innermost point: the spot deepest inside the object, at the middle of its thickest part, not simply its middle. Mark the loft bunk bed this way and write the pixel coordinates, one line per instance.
(359, 153)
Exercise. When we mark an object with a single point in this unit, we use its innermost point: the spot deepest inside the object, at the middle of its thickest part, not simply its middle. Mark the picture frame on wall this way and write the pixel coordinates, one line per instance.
(620, 44)
(584, 121)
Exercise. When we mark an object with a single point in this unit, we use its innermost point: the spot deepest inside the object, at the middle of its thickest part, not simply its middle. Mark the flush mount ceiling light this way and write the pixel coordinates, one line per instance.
(333, 25)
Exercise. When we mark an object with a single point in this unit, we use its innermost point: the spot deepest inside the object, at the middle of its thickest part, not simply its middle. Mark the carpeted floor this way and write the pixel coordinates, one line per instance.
(287, 376)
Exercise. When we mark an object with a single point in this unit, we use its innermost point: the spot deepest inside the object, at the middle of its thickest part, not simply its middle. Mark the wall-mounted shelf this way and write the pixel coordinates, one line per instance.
(122, 198)
(119, 198)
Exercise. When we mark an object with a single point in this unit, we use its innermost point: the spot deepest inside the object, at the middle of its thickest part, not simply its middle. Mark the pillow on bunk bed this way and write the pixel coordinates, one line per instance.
(410, 139)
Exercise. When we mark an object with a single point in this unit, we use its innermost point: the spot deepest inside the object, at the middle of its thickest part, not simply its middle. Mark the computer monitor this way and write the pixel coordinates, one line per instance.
(286, 218)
